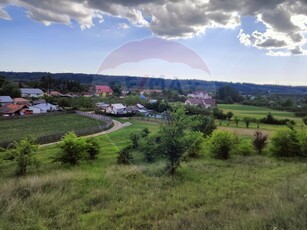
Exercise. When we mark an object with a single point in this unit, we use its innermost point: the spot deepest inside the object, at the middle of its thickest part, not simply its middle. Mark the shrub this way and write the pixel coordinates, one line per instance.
(195, 146)
(125, 156)
(72, 149)
(205, 124)
(220, 144)
(260, 141)
(134, 138)
(285, 143)
(243, 148)
(302, 136)
(92, 148)
(23, 154)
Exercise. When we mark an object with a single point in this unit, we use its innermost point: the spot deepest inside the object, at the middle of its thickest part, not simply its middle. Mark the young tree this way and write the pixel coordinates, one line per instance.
(204, 124)
(92, 148)
(23, 154)
(229, 115)
(125, 156)
(134, 138)
(247, 121)
(286, 143)
(173, 141)
(260, 141)
(237, 120)
(72, 149)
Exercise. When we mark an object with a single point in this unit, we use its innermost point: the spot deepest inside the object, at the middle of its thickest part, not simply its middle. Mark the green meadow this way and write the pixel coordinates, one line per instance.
(256, 192)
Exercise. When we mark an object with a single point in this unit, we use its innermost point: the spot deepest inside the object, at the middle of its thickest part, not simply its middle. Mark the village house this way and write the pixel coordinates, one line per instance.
(5, 100)
(203, 103)
(29, 92)
(21, 101)
(116, 109)
(14, 110)
(199, 95)
(103, 91)
(44, 108)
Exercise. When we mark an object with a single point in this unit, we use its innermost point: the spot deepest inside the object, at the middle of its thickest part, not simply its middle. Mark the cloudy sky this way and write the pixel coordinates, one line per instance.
(261, 41)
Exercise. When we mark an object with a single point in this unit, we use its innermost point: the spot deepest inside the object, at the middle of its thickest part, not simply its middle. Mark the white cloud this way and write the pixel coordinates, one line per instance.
(285, 21)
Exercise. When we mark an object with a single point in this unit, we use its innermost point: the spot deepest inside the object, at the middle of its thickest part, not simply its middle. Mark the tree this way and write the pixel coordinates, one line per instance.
(173, 137)
(125, 155)
(229, 115)
(92, 148)
(286, 143)
(260, 141)
(134, 138)
(9, 89)
(305, 120)
(205, 125)
(247, 121)
(228, 94)
(23, 154)
(72, 149)
(220, 144)
(237, 120)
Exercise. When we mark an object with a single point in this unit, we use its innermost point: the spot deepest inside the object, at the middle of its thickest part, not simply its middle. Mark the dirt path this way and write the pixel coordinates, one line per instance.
(117, 125)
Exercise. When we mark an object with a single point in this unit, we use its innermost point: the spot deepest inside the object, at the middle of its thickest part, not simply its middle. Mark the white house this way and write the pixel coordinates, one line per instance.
(45, 107)
(204, 103)
(29, 92)
(116, 109)
(199, 95)
(5, 100)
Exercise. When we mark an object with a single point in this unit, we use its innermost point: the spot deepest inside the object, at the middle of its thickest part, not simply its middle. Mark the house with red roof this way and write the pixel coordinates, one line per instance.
(103, 90)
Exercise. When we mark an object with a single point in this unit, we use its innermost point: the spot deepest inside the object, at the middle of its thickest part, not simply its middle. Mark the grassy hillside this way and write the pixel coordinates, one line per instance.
(242, 193)
(38, 126)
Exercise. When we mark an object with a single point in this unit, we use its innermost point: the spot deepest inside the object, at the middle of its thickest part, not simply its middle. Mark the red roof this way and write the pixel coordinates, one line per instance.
(103, 89)
(12, 108)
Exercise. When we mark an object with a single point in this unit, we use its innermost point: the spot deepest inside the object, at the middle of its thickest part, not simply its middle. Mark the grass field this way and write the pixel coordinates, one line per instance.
(242, 111)
(242, 193)
(38, 126)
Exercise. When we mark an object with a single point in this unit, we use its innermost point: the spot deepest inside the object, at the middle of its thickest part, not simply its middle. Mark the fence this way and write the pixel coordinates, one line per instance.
(82, 132)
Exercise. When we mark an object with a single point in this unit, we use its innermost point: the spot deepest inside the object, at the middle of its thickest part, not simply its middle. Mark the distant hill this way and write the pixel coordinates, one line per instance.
(130, 82)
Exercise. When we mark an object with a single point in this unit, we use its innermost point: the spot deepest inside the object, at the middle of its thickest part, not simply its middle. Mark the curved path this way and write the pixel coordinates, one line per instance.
(117, 125)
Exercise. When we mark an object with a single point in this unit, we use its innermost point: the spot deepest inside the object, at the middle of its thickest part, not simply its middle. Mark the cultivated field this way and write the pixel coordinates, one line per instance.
(242, 111)
(38, 126)
(256, 192)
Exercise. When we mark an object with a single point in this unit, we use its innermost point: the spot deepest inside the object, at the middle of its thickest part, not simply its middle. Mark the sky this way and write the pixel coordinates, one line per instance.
(263, 41)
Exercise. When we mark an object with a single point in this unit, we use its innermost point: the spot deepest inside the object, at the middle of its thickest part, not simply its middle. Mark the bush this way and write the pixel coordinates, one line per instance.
(286, 144)
(72, 149)
(195, 146)
(134, 138)
(220, 144)
(260, 141)
(23, 154)
(243, 148)
(125, 156)
(92, 148)
(302, 136)
(205, 125)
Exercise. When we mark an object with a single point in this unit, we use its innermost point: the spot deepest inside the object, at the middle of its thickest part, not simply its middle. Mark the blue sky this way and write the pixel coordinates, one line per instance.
(231, 52)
